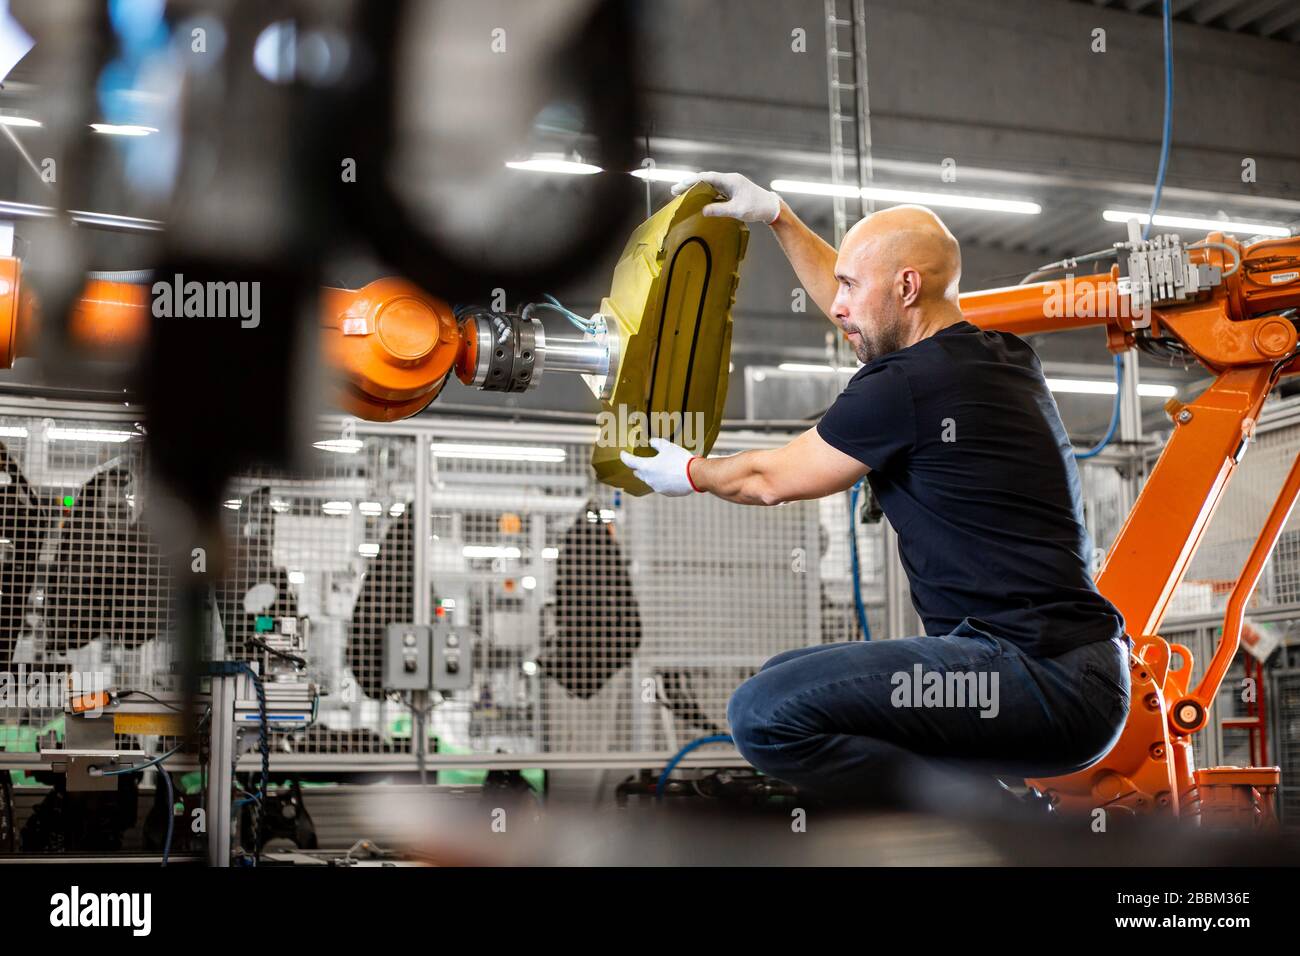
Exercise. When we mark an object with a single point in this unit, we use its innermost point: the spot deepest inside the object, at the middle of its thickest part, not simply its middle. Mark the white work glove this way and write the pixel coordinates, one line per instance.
(746, 200)
(666, 472)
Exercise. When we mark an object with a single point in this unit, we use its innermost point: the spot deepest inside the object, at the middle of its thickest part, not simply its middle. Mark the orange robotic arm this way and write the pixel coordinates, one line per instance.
(391, 346)
(1238, 327)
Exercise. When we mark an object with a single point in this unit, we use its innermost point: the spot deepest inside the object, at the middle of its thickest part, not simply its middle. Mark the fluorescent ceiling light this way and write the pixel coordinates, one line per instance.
(487, 551)
(368, 549)
(18, 121)
(1147, 390)
(1078, 386)
(13, 431)
(1195, 222)
(371, 509)
(397, 509)
(881, 194)
(535, 453)
(342, 446)
(88, 434)
(550, 554)
(554, 164)
(297, 577)
(662, 174)
(114, 129)
(814, 189)
(987, 203)
(826, 369)
(337, 507)
(234, 504)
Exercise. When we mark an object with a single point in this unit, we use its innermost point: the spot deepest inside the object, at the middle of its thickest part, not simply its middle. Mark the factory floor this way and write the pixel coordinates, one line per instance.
(382, 824)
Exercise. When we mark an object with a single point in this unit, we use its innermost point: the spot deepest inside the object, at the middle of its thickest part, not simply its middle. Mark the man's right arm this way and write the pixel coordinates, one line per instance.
(812, 256)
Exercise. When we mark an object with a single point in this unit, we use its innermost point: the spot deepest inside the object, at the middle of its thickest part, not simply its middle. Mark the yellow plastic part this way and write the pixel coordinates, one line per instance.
(670, 305)
(167, 725)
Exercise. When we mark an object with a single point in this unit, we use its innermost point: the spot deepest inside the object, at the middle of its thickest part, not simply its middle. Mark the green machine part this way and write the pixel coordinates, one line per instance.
(670, 306)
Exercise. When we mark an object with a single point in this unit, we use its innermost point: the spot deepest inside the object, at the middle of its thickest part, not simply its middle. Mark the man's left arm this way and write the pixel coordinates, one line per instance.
(805, 468)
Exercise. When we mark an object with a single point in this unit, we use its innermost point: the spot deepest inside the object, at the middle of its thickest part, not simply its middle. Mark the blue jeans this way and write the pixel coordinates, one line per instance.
(861, 721)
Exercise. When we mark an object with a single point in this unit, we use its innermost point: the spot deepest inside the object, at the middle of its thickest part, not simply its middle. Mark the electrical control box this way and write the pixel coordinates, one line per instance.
(424, 657)
(407, 657)
(453, 656)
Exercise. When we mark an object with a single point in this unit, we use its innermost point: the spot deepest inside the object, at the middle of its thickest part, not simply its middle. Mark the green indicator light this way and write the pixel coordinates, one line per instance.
(264, 623)
(69, 501)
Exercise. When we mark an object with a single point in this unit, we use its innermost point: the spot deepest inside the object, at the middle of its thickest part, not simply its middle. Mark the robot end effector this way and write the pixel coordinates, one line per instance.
(393, 348)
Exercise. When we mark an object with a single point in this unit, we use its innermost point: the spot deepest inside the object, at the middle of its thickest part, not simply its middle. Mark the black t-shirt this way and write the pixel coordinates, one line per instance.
(973, 468)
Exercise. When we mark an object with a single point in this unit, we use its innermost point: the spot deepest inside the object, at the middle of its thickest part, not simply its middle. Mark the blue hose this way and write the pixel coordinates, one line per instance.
(1167, 134)
(1166, 137)
(171, 795)
(853, 555)
(1114, 414)
(144, 766)
(677, 758)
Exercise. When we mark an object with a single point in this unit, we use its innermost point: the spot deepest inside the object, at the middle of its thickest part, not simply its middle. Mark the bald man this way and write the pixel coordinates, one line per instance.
(1023, 671)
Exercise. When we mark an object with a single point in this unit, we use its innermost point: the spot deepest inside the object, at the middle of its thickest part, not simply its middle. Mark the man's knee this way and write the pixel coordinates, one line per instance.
(780, 658)
(741, 716)
(749, 712)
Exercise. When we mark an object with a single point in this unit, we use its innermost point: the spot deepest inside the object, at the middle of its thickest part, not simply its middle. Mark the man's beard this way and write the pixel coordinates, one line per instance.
(879, 339)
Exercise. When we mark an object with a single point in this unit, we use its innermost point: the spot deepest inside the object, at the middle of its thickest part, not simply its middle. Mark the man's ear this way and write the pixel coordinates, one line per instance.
(909, 282)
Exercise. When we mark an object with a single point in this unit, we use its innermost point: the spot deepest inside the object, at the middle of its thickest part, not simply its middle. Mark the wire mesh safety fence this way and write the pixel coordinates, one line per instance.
(1105, 504)
(1195, 613)
(84, 596)
(1286, 732)
(606, 625)
(1236, 523)
(1273, 612)
(334, 548)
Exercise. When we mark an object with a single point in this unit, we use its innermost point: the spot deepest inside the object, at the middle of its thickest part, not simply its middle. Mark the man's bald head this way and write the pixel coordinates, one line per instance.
(909, 236)
(899, 271)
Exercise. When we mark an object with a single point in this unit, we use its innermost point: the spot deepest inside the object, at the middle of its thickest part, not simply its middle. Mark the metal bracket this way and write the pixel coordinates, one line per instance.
(77, 764)
(1159, 271)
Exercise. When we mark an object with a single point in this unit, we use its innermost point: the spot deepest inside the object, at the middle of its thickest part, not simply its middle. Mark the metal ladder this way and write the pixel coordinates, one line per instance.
(850, 107)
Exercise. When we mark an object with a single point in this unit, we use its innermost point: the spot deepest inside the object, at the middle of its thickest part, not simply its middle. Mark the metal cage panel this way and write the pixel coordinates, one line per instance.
(611, 629)
(608, 626)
